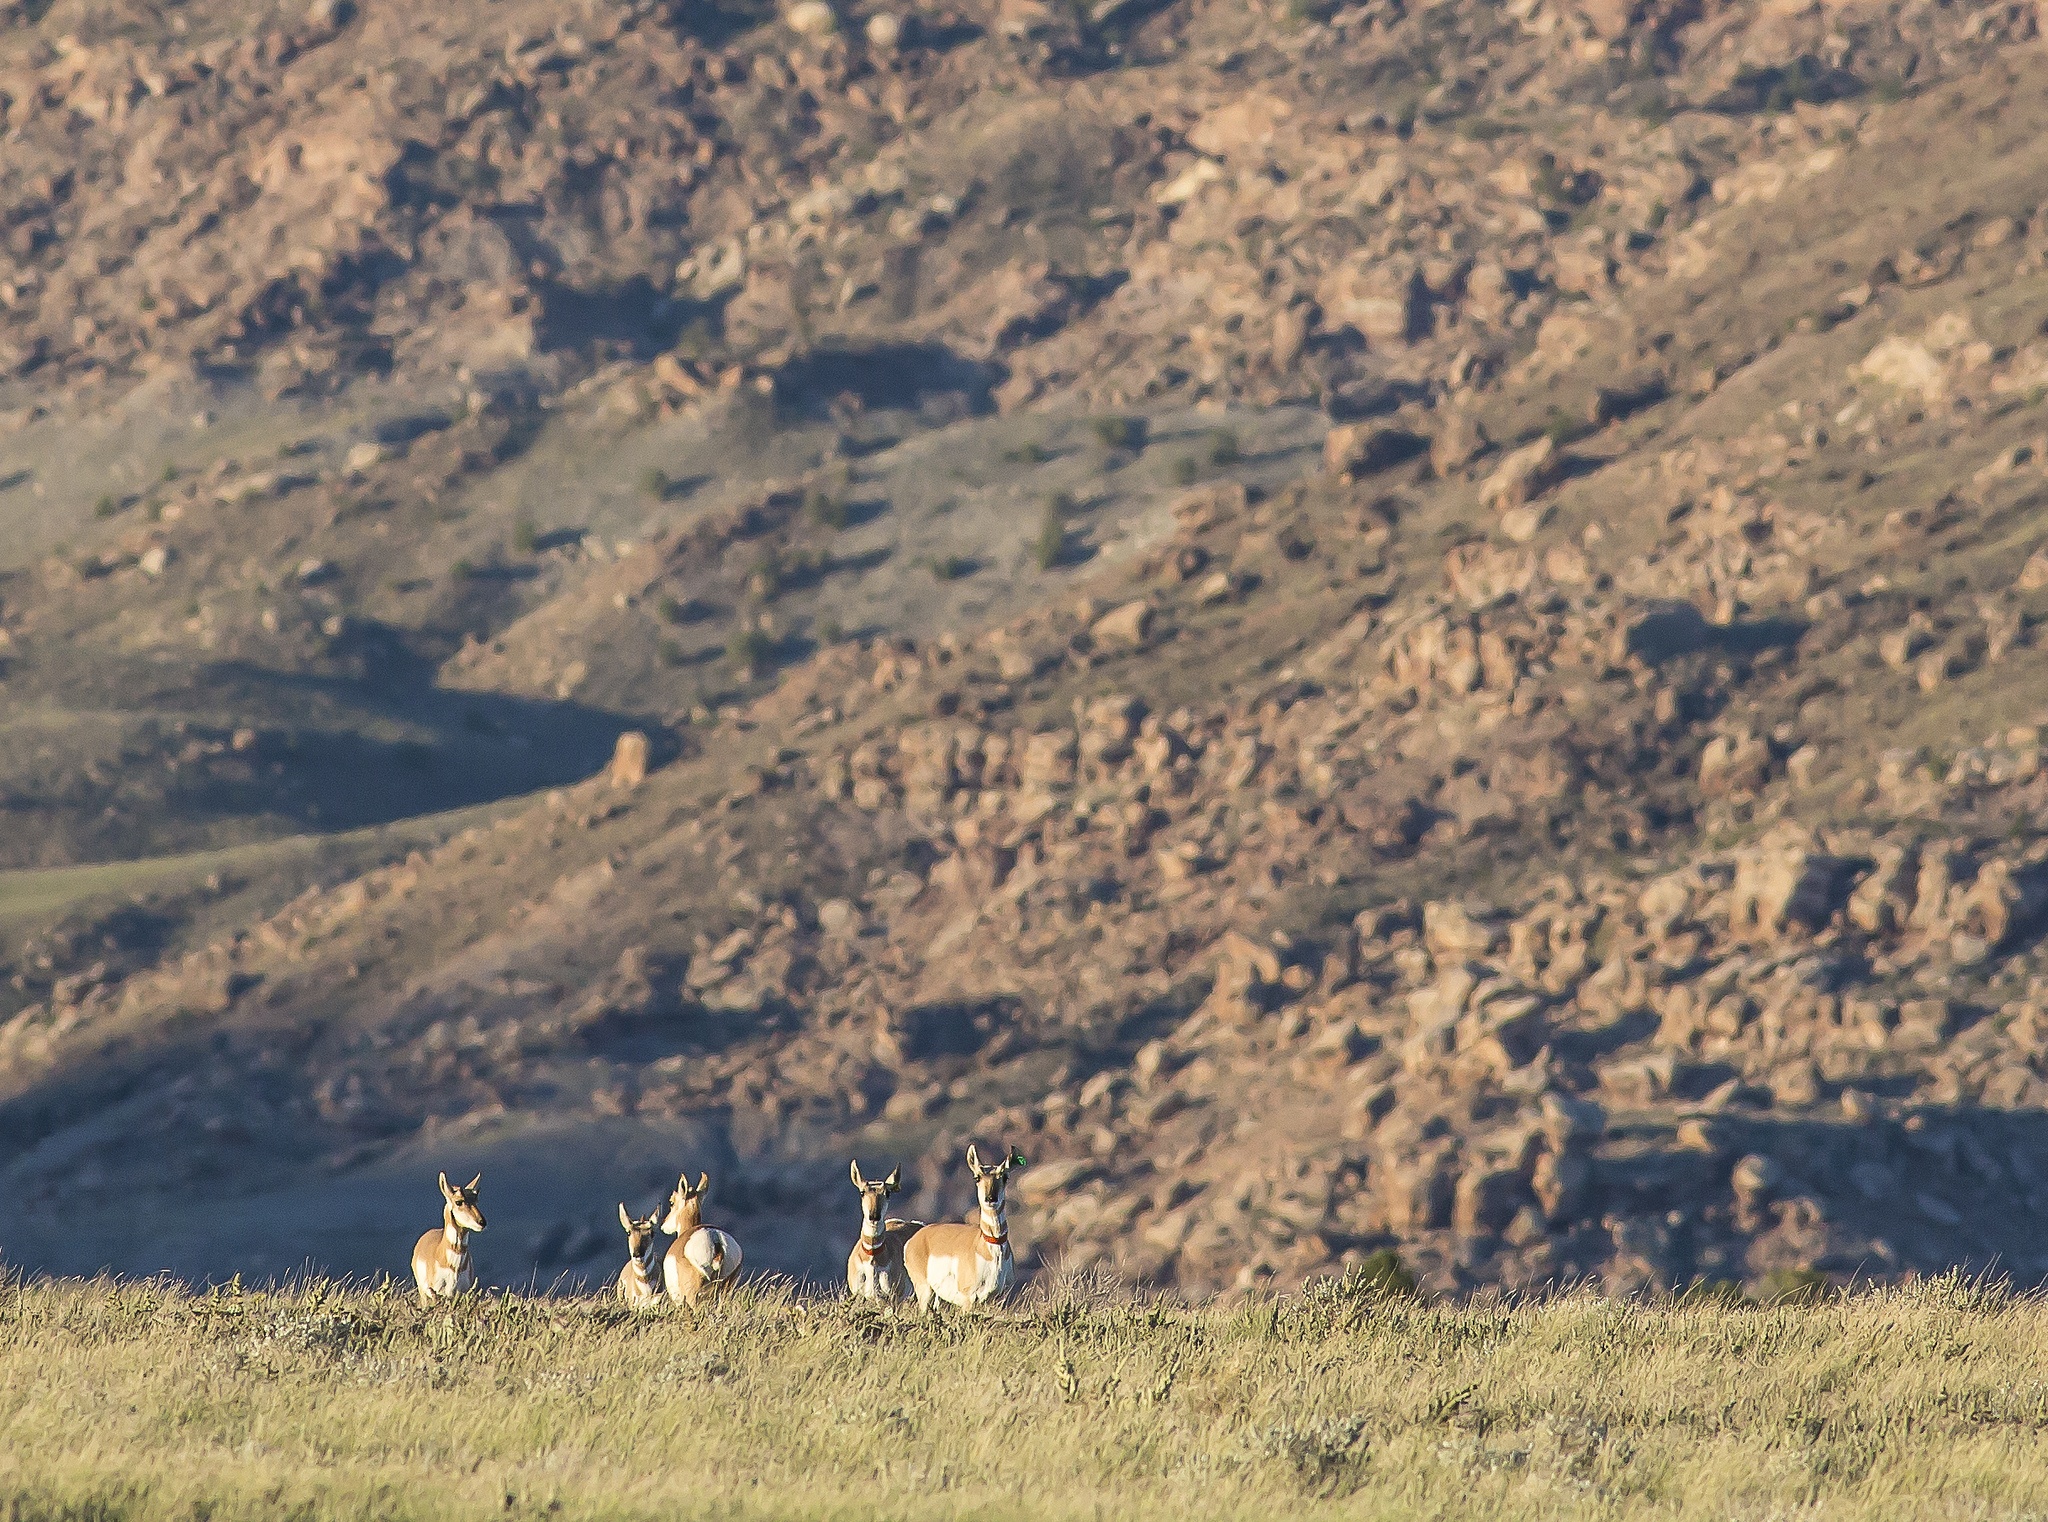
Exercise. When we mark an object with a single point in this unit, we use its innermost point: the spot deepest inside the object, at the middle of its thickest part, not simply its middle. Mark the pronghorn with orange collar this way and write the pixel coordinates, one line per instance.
(702, 1257)
(640, 1280)
(874, 1269)
(969, 1264)
(441, 1265)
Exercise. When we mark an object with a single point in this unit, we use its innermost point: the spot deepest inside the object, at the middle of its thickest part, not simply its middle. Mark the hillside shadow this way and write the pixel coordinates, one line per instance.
(886, 376)
(338, 777)
(1940, 1187)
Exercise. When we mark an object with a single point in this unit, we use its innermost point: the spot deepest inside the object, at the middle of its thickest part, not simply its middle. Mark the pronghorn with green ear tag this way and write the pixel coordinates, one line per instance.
(640, 1280)
(970, 1264)
(702, 1257)
(440, 1261)
(874, 1269)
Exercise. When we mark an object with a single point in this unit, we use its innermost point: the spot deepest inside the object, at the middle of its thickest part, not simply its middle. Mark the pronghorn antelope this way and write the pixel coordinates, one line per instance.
(966, 1265)
(701, 1257)
(874, 1269)
(640, 1279)
(440, 1261)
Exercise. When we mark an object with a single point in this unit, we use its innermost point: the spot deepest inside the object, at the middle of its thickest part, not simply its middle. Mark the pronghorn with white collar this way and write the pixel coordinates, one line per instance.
(874, 1269)
(441, 1264)
(640, 1280)
(702, 1257)
(969, 1264)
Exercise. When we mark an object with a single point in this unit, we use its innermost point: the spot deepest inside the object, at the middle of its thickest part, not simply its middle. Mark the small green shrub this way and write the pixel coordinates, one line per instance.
(1050, 547)
(1185, 470)
(825, 510)
(656, 484)
(462, 570)
(672, 653)
(949, 567)
(1115, 432)
(1033, 453)
(1382, 1272)
(1792, 1286)
(106, 507)
(1223, 447)
(747, 649)
(525, 537)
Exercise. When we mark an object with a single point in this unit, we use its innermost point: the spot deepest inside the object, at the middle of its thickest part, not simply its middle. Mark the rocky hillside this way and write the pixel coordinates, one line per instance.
(1354, 624)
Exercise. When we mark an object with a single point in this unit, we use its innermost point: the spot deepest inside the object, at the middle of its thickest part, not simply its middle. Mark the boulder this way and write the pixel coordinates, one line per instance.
(1364, 449)
(1128, 626)
(1524, 475)
(629, 760)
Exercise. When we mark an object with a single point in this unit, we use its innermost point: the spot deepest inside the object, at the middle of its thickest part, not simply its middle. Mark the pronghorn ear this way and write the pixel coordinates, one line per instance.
(624, 1219)
(445, 1190)
(858, 1181)
(470, 1187)
(973, 1162)
(894, 1181)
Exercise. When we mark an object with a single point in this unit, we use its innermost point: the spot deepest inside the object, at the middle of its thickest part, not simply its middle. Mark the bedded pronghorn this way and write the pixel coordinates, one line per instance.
(874, 1269)
(969, 1264)
(440, 1260)
(701, 1257)
(640, 1279)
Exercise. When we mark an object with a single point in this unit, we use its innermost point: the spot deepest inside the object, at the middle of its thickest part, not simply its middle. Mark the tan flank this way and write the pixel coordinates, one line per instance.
(969, 1264)
(702, 1258)
(441, 1264)
(640, 1280)
(874, 1269)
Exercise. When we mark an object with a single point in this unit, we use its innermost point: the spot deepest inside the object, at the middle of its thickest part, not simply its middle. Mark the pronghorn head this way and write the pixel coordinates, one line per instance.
(686, 1206)
(874, 1197)
(639, 1234)
(461, 1200)
(989, 1182)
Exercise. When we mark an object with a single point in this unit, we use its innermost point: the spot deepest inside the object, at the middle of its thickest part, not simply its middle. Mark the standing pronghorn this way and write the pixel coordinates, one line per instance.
(440, 1260)
(874, 1269)
(966, 1265)
(640, 1279)
(701, 1257)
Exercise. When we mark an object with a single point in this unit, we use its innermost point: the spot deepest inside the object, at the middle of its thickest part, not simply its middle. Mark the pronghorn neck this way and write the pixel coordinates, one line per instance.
(453, 1232)
(995, 1231)
(649, 1258)
(872, 1235)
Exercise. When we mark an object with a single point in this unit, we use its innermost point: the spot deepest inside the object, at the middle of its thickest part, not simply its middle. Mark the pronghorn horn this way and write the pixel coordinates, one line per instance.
(894, 1181)
(703, 1182)
(470, 1187)
(858, 1181)
(624, 1219)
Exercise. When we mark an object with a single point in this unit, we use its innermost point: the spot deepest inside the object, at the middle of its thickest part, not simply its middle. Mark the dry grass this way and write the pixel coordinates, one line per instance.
(141, 1400)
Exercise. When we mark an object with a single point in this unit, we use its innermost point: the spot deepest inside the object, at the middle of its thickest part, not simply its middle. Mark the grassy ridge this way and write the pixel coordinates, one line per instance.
(140, 1400)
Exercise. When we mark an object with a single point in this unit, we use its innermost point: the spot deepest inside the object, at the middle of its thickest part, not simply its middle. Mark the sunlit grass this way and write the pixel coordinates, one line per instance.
(143, 1400)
